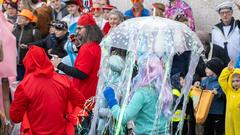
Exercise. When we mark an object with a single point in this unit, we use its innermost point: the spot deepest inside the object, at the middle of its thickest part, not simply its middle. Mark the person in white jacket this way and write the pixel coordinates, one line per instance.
(226, 34)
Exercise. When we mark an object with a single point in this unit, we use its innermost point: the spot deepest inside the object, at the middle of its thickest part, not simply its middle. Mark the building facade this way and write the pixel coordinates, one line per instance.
(203, 10)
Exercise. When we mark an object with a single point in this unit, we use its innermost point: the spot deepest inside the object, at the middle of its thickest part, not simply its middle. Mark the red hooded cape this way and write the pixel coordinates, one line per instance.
(41, 99)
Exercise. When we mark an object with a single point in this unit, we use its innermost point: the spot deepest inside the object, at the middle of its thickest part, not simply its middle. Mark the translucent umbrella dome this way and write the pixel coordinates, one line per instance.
(154, 34)
(142, 38)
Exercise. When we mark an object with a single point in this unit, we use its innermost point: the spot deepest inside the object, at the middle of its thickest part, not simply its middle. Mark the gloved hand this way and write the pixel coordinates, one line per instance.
(110, 96)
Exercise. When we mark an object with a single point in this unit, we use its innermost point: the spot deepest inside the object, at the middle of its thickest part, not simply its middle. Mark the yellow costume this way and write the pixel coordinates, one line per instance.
(232, 121)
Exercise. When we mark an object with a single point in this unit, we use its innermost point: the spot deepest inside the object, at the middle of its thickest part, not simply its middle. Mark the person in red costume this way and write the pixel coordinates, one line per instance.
(87, 63)
(42, 97)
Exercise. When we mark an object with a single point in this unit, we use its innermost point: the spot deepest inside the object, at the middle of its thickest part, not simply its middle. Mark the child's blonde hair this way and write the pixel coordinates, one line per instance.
(236, 75)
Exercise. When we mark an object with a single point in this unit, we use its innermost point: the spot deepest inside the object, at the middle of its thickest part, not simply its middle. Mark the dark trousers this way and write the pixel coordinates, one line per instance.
(20, 72)
(188, 127)
(184, 129)
(214, 125)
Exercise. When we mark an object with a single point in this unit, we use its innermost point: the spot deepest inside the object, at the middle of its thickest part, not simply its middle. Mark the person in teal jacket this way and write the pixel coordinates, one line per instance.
(142, 106)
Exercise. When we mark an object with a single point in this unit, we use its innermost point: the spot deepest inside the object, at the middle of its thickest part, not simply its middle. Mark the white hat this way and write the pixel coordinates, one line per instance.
(226, 4)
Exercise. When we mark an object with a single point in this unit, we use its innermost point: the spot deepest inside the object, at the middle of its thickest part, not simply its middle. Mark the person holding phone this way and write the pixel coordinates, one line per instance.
(85, 71)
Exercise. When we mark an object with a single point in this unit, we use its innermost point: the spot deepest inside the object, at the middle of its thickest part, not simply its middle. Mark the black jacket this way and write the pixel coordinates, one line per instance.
(58, 48)
(180, 64)
(219, 52)
(25, 35)
(54, 43)
(46, 43)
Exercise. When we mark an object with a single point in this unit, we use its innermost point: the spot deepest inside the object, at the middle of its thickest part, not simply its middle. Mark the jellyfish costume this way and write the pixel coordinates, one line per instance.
(144, 38)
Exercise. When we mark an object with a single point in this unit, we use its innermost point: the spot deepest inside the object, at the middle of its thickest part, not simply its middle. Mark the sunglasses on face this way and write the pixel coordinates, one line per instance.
(97, 9)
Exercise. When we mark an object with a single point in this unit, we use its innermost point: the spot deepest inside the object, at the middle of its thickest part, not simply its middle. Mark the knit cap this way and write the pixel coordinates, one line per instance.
(216, 65)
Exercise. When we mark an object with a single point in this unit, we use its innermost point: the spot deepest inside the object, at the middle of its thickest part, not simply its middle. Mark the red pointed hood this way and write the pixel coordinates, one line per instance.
(37, 62)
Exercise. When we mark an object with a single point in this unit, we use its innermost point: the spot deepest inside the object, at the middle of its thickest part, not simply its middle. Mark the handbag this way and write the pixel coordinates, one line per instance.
(202, 100)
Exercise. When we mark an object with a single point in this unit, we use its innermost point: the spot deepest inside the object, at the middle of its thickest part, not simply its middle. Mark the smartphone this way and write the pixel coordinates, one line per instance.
(73, 37)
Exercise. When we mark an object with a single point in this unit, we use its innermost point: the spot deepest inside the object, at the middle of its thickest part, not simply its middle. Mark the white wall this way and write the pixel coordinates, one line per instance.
(203, 10)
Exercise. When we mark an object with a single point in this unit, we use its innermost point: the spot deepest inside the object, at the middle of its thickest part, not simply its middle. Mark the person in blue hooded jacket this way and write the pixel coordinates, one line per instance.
(216, 115)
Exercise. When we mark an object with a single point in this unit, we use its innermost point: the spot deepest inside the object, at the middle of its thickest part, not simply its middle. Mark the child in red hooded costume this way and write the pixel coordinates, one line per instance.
(43, 96)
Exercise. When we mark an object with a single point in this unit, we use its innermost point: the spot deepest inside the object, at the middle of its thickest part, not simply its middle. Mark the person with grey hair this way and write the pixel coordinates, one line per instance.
(226, 33)
(115, 18)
